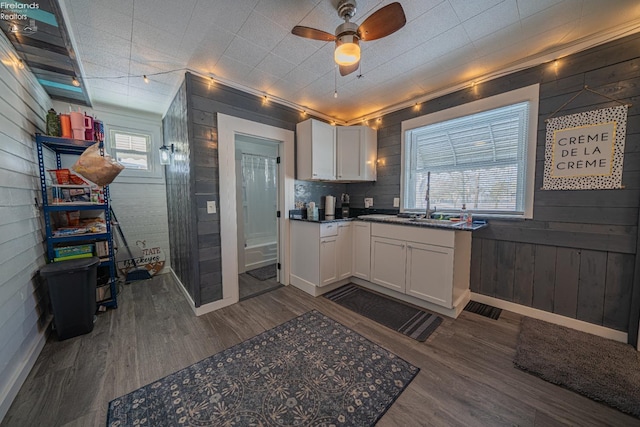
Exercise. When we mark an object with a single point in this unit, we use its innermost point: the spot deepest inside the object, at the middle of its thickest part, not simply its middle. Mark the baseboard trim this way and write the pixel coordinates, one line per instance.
(11, 391)
(552, 317)
(205, 308)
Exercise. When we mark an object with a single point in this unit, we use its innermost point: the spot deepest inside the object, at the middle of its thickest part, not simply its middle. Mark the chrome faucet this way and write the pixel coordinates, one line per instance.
(426, 197)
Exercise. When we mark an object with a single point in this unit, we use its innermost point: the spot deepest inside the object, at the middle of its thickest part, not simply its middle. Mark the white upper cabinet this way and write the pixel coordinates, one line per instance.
(348, 154)
(356, 153)
(316, 151)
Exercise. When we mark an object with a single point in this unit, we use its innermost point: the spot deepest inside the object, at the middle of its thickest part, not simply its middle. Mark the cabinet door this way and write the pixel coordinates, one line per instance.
(361, 249)
(328, 267)
(344, 248)
(315, 150)
(323, 151)
(430, 273)
(350, 156)
(388, 258)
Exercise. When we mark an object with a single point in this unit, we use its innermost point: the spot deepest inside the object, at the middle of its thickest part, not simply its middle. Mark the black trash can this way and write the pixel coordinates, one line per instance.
(72, 289)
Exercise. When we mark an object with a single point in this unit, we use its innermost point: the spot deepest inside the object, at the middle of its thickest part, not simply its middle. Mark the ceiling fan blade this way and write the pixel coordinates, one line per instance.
(383, 22)
(312, 33)
(348, 69)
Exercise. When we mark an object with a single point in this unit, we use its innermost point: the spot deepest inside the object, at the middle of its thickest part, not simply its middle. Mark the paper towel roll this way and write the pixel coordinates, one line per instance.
(329, 206)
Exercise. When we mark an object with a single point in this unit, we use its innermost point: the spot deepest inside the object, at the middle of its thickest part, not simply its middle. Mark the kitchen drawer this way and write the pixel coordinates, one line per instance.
(408, 233)
(329, 229)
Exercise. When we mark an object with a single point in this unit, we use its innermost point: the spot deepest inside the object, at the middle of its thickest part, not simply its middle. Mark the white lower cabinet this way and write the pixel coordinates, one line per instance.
(388, 259)
(328, 267)
(425, 266)
(344, 249)
(429, 273)
(426, 263)
(361, 249)
(320, 254)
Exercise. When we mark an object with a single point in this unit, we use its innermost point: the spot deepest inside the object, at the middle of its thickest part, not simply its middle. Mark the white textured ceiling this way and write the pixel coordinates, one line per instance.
(248, 43)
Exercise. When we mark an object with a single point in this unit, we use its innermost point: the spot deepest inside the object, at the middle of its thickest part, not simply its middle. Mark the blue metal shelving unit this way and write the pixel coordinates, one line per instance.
(74, 146)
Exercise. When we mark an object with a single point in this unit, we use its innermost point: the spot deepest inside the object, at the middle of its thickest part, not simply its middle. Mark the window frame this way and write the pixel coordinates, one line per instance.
(152, 160)
(529, 94)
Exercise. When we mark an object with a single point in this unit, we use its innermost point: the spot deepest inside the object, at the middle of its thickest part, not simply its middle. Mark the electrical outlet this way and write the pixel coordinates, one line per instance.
(396, 202)
(368, 202)
(211, 206)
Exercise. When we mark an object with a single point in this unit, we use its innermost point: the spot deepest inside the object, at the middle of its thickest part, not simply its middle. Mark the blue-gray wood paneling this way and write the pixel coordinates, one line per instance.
(577, 257)
(196, 177)
(180, 195)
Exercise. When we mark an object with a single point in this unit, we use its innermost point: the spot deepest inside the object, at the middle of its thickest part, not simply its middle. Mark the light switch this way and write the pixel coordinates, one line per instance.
(211, 206)
(396, 202)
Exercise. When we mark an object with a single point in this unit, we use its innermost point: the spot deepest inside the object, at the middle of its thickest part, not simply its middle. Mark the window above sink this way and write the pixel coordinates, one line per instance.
(481, 154)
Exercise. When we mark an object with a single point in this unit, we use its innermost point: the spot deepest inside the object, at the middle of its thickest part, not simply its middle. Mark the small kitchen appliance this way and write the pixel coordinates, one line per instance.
(329, 207)
(345, 205)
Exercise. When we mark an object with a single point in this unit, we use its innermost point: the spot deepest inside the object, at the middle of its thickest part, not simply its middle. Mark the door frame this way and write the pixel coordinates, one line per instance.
(228, 127)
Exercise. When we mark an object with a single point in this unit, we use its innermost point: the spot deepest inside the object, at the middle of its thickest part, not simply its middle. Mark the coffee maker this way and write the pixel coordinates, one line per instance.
(345, 205)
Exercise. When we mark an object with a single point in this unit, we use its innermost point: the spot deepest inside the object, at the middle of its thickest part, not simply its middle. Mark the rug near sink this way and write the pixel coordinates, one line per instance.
(401, 317)
(311, 370)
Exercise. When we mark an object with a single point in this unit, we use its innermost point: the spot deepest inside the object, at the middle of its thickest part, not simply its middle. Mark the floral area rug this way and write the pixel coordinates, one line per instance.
(309, 371)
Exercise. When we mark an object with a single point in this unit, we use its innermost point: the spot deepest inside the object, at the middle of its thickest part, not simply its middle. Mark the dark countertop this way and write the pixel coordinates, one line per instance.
(392, 219)
(323, 221)
(433, 223)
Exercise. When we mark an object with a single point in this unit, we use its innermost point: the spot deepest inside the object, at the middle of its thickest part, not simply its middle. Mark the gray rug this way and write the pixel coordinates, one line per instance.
(263, 273)
(309, 371)
(601, 369)
(404, 318)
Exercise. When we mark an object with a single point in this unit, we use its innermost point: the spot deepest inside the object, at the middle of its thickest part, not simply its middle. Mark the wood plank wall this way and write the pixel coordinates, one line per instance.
(577, 256)
(199, 241)
(24, 316)
(180, 189)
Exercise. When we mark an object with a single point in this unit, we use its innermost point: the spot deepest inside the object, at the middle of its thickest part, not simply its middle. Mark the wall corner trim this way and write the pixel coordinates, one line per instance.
(206, 308)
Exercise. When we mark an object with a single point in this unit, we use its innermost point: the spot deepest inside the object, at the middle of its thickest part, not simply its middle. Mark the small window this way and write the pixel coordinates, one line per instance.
(484, 160)
(132, 150)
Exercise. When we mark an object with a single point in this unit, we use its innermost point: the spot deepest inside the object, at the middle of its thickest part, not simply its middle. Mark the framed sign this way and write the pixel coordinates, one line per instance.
(586, 150)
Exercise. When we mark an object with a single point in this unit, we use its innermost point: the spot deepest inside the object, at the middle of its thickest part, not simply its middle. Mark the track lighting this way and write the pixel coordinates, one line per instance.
(75, 82)
(146, 79)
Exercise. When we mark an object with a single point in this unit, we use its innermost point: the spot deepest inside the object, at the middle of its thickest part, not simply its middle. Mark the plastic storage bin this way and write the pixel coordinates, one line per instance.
(72, 289)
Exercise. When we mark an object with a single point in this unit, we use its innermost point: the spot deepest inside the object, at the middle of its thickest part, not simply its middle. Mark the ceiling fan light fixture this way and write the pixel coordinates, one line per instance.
(347, 50)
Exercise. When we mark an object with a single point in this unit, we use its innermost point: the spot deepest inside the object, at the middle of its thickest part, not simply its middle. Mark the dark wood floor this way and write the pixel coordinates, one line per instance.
(467, 376)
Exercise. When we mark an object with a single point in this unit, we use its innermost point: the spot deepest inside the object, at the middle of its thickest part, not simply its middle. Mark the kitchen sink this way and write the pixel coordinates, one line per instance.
(404, 220)
(433, 221)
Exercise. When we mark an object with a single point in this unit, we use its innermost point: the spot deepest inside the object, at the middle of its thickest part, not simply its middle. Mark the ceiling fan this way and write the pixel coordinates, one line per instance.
(383, 22)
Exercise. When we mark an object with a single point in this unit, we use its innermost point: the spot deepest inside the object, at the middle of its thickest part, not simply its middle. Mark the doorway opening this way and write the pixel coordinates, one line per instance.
(228, 128)
(257, 185)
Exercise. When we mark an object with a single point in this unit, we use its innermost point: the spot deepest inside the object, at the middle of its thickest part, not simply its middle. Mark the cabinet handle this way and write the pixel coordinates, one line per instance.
(329, 226)
(315, 174)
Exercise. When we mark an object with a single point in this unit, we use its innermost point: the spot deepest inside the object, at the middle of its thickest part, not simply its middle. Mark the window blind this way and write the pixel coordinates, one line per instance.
(478, 160)
(130, 142)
